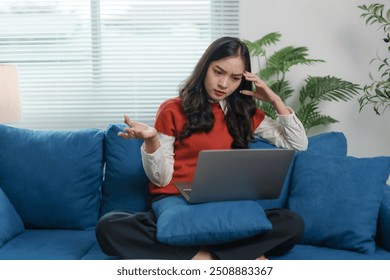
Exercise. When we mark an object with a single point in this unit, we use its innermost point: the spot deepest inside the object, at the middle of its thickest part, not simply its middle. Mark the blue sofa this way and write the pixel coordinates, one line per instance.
(54, 186)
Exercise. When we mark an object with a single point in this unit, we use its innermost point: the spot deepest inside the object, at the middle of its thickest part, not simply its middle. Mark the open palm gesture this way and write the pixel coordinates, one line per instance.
(137, 130)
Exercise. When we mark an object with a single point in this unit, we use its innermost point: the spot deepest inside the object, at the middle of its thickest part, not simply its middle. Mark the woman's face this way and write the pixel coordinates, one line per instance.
(223, 77)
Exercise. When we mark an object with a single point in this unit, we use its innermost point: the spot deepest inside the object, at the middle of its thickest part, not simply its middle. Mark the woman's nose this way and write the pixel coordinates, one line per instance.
(223, 83)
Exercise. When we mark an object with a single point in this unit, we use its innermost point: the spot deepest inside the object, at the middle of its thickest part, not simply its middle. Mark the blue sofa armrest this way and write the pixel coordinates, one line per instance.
(384, 221)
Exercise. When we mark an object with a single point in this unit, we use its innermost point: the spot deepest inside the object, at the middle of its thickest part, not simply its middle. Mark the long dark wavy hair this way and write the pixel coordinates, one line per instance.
(240, 108)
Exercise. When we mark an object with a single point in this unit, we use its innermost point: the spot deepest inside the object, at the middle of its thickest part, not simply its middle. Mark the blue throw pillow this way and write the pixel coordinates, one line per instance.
(328, 143)
(125, 185)
(53, 178)
(339, 199)
(180, 223)
(10, 222)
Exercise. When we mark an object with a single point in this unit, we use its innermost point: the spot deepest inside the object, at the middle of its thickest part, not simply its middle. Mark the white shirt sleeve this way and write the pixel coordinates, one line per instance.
(158, 166)
(286, 131)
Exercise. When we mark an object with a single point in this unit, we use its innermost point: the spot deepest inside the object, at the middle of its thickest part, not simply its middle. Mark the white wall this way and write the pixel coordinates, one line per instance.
(333, 31)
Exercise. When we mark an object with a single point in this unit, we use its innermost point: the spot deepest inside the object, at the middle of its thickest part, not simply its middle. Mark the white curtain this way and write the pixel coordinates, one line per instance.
(85, 63)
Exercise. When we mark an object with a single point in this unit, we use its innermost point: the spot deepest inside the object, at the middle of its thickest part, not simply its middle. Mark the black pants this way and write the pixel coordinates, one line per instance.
(130, 235)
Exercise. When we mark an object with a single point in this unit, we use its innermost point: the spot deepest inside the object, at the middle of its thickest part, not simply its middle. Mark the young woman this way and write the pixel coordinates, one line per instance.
(215, 110)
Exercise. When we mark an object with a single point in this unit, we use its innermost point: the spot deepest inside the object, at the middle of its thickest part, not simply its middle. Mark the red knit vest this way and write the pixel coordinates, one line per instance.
(170, 120)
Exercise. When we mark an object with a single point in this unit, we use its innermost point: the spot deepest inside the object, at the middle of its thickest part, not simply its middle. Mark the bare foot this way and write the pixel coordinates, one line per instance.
(203, 255)
(261, 258)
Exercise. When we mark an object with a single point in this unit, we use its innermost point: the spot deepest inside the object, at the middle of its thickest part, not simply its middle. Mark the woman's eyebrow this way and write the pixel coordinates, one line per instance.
(223, 70)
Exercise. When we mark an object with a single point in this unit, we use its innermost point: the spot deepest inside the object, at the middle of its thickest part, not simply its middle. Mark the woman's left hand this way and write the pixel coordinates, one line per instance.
(137, 130)
(264, 93)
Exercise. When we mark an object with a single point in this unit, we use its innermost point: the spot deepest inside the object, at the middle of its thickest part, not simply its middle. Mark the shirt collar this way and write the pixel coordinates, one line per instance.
(222, 104)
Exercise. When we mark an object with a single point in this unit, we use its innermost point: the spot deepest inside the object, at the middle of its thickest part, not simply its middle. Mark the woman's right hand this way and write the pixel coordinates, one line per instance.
(137, 130)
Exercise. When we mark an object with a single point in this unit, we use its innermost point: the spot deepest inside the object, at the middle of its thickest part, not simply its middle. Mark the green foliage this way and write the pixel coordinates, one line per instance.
(273, 69)
(327, 89)
(374, 13)
(257, 48)
(319, 89)
(310, 116)
(377, 93)
(281, 61)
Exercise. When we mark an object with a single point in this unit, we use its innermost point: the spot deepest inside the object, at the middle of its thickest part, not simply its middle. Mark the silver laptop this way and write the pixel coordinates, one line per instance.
(237, 174)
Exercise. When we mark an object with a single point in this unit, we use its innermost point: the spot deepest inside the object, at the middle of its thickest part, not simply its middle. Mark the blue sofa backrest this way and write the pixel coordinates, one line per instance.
(68, 179)
(52, 178)
(125, 185)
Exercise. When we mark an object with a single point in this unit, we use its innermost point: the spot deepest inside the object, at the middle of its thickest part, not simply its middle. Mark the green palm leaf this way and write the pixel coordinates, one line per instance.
(267, 108)
(268, 39)
(256, 48)
(267, 73)
(284, 59)
(281, 88)
(310, 116)
(328, 88)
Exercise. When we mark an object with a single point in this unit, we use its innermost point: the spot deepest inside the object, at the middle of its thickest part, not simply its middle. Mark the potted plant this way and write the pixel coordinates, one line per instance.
(377, 93)
(273, 69)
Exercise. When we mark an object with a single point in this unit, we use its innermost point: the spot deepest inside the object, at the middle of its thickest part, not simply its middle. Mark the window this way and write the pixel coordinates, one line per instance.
(85, 63)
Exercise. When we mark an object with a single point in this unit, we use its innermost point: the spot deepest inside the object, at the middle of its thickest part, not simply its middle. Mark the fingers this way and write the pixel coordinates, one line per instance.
(127, 134)
(123, 135)
(127, 120)
(256, 80)
(247, 92)
(251, 77)
(252, 93)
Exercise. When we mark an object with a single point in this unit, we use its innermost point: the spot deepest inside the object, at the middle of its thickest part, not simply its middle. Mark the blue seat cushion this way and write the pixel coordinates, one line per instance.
(181, 223)
(96, 253)
(52, 178)
(310, 252)
(36, 244)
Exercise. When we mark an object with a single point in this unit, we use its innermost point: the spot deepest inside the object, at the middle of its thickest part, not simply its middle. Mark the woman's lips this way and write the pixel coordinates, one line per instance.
(219, 93)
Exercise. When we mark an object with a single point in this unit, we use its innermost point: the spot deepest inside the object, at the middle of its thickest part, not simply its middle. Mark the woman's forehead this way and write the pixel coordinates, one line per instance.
(233, 65)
